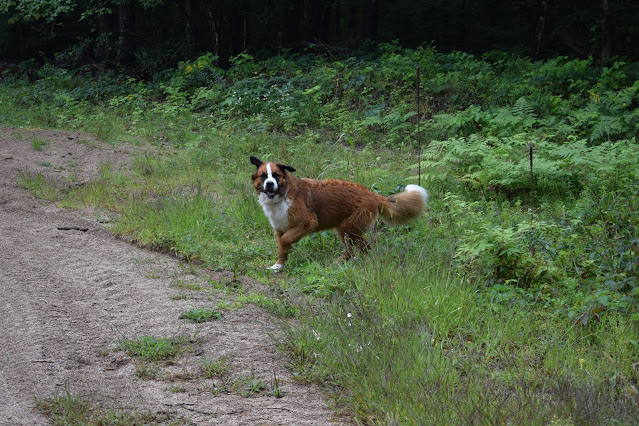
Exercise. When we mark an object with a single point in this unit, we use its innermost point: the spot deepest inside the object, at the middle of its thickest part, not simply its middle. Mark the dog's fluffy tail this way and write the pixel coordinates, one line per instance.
(405, 206)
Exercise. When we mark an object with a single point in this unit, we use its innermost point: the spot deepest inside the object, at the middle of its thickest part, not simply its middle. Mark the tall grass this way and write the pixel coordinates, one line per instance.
(411, 343)
(455, 318)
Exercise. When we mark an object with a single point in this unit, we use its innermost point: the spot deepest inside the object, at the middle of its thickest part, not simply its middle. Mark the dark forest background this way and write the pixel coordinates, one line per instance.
(152, 34)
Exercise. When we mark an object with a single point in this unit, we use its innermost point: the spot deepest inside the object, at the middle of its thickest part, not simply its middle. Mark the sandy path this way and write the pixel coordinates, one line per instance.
(67, 296)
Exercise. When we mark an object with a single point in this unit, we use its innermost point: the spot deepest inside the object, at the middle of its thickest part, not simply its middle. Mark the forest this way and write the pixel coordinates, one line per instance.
(151, 35)
(514, 300)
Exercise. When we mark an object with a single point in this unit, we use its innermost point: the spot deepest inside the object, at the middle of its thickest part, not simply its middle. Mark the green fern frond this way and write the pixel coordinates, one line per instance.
(607, 128)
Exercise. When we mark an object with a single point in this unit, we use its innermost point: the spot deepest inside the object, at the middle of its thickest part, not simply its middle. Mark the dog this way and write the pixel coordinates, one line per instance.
(296, 207)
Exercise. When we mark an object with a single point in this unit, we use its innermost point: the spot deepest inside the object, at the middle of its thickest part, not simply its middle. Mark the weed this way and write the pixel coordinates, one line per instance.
(187, 285)
(38, 144)
(179, 296)
(153, 348)
(199, 315)
(154, 272)
(279, 307)
(39, 186)
(68, 409)
(145, 370)
(248, 385)
(277, 391)
(218, 367)
(184, 374)
(177, 388)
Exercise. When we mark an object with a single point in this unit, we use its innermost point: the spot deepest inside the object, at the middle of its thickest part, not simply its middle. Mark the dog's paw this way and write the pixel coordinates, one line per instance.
(275, 267)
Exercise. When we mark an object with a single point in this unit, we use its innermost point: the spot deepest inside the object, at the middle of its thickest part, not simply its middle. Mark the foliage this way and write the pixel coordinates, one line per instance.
(502, 164)
(508, 294)
(35, 9)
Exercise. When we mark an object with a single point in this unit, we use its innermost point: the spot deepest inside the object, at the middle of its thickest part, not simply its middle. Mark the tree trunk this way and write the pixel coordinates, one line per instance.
(606, 30)
(371, 19)
(214, 14)
(189, 32)
(293, 19)
(541, 25)
(126, 24)
(315, 18)
(100, 51)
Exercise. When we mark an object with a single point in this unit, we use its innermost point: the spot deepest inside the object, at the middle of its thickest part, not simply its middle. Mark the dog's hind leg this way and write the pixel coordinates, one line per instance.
(351, 232)
(350, 241)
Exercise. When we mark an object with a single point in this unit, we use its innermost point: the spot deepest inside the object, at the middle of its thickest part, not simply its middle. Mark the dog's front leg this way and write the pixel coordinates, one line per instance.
(284, 242)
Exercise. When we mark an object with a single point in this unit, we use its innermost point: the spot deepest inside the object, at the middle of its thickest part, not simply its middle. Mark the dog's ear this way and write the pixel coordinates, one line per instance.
(286, 168)
(255, 161)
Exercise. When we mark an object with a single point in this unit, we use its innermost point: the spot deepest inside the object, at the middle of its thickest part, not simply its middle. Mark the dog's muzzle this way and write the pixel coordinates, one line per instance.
(270, 189)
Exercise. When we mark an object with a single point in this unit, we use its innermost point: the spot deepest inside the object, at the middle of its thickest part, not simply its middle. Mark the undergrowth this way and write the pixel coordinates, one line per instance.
(514, 300)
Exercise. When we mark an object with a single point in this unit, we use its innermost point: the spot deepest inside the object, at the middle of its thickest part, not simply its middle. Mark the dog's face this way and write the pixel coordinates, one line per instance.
(270, 180)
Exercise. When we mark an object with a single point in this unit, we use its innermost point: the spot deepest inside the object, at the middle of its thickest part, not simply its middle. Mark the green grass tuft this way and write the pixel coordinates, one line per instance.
(67, 409)
(38, 144)
(199, 315)
(219, 367)
(153, 348)
(39, 186)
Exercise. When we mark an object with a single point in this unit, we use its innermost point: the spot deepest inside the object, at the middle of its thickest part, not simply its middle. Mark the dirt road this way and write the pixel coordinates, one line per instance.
(68, 296)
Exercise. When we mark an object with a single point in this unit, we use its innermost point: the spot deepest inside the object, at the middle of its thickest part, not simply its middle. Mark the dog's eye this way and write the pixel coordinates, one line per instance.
(276, 175)
(263, 176)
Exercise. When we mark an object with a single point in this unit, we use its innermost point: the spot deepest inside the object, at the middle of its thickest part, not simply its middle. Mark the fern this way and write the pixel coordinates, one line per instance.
(481, 162)
(607, 128)
(523, 109)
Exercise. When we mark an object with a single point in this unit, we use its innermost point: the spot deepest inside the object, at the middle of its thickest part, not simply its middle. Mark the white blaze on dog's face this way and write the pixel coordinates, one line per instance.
(270, 187)
(270, 181)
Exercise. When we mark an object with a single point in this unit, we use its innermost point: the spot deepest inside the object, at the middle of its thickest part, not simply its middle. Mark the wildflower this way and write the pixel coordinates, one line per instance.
(316, 334)
(581, 362)
(348, 315)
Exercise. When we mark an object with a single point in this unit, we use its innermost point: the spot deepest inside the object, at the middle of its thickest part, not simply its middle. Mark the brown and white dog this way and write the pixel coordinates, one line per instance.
(298, 206)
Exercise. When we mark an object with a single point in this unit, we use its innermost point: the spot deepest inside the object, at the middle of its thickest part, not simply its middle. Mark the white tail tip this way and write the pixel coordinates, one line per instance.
(417, 188)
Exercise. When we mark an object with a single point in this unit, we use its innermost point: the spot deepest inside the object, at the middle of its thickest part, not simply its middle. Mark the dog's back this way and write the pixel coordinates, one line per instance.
(334, 201)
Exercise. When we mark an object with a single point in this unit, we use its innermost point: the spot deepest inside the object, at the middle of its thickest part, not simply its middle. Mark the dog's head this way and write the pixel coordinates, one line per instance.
(270, 180)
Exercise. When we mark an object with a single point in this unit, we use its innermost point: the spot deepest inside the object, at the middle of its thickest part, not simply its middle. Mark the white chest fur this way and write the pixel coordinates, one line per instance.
(276, 211)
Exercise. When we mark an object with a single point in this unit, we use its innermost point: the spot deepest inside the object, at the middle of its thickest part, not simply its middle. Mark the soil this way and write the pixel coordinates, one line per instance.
(70, 291)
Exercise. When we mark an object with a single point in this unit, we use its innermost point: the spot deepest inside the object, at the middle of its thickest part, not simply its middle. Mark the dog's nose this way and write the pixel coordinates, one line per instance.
(269, 184)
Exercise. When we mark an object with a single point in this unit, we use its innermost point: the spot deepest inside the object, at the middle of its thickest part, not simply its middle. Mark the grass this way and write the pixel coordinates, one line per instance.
(219, 367)
(249, 385)
(39, 186)
(199, 315)
(401, 335)
(38, 144)
(276, 306)
(409, 338)
(68, 409)
(152, 348)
